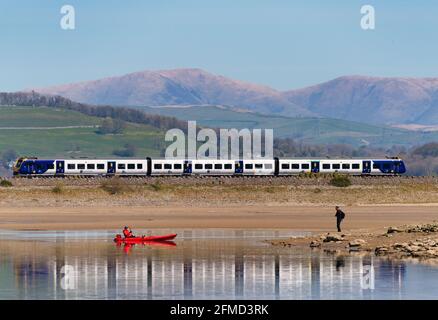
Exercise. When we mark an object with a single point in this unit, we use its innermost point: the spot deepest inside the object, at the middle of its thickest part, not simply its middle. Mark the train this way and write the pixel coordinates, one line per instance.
(32, 166)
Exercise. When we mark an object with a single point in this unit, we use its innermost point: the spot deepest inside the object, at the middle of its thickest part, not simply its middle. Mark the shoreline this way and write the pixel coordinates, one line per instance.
(414, 242)
(316, 219)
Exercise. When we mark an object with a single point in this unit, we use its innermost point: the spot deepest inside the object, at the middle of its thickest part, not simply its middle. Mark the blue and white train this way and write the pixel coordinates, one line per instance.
(204, 167)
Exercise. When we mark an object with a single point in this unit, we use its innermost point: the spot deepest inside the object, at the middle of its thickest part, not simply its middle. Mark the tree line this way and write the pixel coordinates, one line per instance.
(120, 113)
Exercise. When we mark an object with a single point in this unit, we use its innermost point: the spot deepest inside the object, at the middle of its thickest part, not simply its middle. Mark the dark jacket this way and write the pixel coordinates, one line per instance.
(340, 214)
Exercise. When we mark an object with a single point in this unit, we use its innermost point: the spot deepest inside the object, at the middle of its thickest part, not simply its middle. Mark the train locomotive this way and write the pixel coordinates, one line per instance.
(204, 167)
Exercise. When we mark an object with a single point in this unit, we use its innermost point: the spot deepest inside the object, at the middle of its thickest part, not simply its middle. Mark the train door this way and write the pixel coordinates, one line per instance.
(366, 166)
(277, 166)
(111, 168)
(315, 166)
(149, 169)
(60, 167)
(187, 167)
(238, 167)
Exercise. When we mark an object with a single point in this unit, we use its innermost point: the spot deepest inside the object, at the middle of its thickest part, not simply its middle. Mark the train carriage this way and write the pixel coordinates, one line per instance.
(165, 167)
(212, 167)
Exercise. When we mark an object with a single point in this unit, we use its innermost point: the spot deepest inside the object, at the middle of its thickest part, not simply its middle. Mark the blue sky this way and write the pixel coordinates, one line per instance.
(283, 44)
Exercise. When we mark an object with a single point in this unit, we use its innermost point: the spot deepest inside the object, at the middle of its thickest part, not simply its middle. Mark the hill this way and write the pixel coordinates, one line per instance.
(176, 87)
(374, 100)
(52, 132)
(304, 129)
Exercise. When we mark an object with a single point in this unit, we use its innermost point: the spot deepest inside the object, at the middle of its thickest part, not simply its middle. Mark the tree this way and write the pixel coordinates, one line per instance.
(112, 126)
(7, 156)
(129, 151)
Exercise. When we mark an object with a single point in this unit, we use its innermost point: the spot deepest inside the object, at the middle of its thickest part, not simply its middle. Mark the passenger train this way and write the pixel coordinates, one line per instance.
(205, 167)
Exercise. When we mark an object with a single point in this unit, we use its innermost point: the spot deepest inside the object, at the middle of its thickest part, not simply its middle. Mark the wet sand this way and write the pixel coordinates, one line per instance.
(312, 218)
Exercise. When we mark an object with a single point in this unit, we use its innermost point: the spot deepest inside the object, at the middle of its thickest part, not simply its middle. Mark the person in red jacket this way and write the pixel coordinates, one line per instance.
(127, 233)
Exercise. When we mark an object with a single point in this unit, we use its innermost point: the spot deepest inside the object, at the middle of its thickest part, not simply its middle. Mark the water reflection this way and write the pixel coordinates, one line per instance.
(199, 268)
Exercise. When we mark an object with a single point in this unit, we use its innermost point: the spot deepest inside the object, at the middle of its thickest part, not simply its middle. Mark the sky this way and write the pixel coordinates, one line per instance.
(282, 44)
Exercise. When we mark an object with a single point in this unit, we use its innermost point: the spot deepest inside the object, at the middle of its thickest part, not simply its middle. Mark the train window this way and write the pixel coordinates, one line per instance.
(336, 166)
(228, 166)
(121, 166)
(81, 166)
(167, 166)
(198, 166)
(208, 166)
(177, 166)
(51, 166)
(285, 166)
(376, 166)
(248, 166)
(345, 166)
(100, 166)
(71, 166)
(258, 166)
(91, 166)
(326, 166)
(355, 166)
(218, 166)
(386, 166)
(295, 166)
(305, 166)
(158, 166)
(139, 166)
(268, 165)
(131, 166)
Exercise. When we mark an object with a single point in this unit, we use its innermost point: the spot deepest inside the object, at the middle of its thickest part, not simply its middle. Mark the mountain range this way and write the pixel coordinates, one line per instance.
(374, 100)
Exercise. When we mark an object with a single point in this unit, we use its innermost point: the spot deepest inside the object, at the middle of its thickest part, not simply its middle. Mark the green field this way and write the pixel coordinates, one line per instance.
(53, 141)
(307, 130)
(43, 117)
(49, 132)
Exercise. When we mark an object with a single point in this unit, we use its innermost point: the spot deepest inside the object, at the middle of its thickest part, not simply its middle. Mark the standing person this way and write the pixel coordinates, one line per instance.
(340, 215)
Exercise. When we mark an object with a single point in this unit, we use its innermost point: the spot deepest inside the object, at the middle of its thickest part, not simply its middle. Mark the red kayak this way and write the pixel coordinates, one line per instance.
(120, 239)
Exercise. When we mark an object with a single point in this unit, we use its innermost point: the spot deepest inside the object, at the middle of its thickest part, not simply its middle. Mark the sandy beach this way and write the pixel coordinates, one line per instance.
(295, 204)
(303, 218)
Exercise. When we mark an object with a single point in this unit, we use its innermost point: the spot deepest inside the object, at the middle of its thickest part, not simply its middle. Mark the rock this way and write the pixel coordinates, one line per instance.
(332, 238)
(403, 245)
(388, 235)
(394, 230)
(381, 250)
(315, 244)
(432, 253)
(412, 248)
(356, 243)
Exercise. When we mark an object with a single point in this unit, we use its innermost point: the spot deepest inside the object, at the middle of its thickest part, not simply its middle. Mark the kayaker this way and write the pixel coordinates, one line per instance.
(127, 232)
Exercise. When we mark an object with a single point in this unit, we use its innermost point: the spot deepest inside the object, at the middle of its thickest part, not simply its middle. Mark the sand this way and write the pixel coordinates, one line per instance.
(292, 217)
(302, 204)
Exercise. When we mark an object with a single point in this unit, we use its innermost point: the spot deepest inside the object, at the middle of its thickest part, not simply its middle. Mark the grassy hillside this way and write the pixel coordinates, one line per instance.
(42, 132)
(308, 130)
(43, 117)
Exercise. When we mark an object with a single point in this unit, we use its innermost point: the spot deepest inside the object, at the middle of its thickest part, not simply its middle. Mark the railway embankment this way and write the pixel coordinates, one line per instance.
(301, 180)
(212, 191)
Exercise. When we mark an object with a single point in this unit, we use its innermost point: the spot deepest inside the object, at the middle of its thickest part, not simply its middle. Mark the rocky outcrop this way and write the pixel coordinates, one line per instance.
(426, 248)
(332, 238)
(356, 243)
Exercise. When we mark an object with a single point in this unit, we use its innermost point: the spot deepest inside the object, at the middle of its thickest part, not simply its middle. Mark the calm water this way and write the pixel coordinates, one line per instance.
(215, 264)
